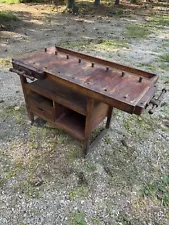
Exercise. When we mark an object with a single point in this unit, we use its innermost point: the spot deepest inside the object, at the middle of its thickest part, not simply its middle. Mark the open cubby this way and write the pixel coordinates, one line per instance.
(68, 110)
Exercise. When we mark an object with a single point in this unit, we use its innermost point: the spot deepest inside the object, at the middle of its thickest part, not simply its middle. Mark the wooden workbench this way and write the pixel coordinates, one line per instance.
(76, 92)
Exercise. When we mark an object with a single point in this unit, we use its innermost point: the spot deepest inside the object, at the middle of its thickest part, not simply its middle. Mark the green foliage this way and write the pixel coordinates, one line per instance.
(158, 189)
(8, 16)
(10, 1)
(79, 219)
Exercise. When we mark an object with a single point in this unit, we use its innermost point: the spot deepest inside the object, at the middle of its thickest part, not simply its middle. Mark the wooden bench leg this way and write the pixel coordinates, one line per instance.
(103, 132)
(88, 126)
(109, 115)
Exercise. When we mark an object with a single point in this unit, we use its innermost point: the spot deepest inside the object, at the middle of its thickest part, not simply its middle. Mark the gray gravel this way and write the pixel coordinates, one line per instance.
(44, 179)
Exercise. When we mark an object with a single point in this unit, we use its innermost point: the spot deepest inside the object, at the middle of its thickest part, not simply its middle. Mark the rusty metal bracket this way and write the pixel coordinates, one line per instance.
(156, 102)
(22, 73)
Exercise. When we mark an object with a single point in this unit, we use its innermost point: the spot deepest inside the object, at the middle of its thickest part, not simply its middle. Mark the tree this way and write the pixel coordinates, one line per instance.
(117, 2)
(97, 2)
(72, 6)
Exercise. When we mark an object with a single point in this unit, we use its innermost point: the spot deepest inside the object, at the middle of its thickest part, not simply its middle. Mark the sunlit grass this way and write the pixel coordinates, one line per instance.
(100, 44)
(159, 20)
(8, 16)
(137, 31)
(10, 1)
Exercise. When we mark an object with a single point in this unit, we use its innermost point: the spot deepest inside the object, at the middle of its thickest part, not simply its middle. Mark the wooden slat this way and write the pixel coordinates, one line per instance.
(60, 94)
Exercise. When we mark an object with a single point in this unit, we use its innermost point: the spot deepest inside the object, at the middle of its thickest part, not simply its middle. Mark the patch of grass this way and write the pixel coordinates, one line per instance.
(163, 61)
(158, 189)
(161, 21)
(77, 218)
(73, 154)
(80, 191)
(140, 126)
(4, 62)
(90, 166)
(137, 31)
(10, 1)
(165, 58)
(107, 140)
(8, 16)
(101, 44)
(111, 44)
(148, 66)
(124, 219)
(11, 112)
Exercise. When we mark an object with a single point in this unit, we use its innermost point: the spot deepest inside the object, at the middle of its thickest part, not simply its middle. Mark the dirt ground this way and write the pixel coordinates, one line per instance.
(43, 178)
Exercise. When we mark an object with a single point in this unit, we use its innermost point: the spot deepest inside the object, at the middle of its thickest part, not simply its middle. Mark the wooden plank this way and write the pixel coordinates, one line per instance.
(73, 123)
(60, 94)
(99, 114)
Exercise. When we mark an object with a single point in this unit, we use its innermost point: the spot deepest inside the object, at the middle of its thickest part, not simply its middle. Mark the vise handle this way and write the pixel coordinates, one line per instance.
(157, 101)
(21, 73)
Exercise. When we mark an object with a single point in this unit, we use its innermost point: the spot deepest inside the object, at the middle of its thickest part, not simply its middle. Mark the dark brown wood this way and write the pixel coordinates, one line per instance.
(108, 86)
(76, 92)
(59, 93)
(88, 125)
(23, 83)
(109, 116)
(100, 112)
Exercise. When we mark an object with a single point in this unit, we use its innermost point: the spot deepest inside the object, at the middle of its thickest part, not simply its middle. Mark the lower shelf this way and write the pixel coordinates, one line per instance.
(72, 122)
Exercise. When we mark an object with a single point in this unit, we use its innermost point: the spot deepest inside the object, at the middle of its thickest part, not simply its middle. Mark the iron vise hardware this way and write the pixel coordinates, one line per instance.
(22, 73)
(156, 102)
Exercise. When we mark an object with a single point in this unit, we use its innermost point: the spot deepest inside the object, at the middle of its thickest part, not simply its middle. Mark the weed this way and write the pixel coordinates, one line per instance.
(158, 189)
(80, 191)
(107, 140)
(78, 218)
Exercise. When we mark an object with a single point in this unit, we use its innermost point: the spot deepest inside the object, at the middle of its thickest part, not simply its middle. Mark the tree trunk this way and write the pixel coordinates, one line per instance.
(70, 4)
(97, 2)
(117, 2)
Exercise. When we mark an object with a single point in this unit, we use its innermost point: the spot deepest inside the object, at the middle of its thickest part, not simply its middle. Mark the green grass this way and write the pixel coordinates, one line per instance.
(137, 31)
(79, 192)
(10, 1)
(158, 189)
(165, 58)
(148, 66)
(160, 21)
(163, 61)
(8, 16)
(5, 62)
(77, 218)
(101, 44)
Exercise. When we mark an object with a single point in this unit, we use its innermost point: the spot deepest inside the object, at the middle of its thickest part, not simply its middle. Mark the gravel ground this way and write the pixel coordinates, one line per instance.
(43, 178)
